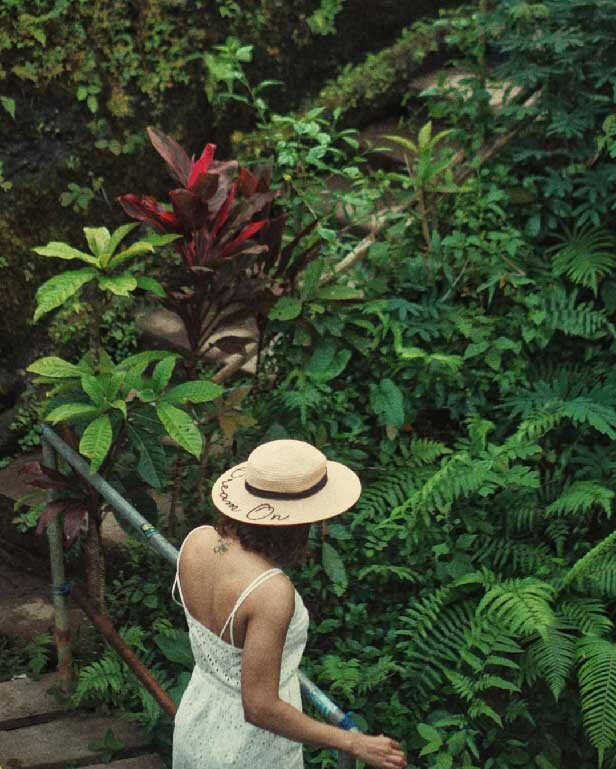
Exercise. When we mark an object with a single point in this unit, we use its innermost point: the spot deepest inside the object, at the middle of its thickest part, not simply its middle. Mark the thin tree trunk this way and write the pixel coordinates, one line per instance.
(95, 559)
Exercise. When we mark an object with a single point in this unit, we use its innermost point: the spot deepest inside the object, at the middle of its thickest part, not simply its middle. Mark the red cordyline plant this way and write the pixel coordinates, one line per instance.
(73, 497)
(231, 244)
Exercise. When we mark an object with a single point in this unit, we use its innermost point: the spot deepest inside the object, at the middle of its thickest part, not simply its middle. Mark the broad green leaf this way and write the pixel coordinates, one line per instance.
(338, 293)
(93, 389)
(429, 733)
(152, 285)
(327, 362)
(98, 239)
(176, 692)
(286, 308)
(162, 373)
(197, 391)
(334, 567)
(140, 361)
(9, 105)
(140, 247)
(120, 285)
(161, 240)
(117, 236)
(310, 278)
(151, 453)
(55, 291)
(403, 141)
(120, 405)
(54, 367)
(176, 649)
(64, 251)
(387, 400)
(71, 411)
(96, 441)
(181, 428)
(423, 138)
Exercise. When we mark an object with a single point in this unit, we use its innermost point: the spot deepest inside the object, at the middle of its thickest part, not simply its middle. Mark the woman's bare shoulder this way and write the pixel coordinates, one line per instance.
(274, 600)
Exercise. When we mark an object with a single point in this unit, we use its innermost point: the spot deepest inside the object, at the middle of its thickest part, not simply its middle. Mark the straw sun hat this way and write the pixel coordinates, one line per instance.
(286, 482)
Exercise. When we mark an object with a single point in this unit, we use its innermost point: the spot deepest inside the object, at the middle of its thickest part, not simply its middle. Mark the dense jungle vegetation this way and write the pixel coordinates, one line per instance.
(436, 311)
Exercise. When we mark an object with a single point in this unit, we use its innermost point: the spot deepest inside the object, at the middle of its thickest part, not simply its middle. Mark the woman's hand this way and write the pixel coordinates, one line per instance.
(381, 752)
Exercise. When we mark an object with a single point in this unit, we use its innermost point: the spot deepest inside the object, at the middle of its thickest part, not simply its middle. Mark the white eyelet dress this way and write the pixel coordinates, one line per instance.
(210, 731)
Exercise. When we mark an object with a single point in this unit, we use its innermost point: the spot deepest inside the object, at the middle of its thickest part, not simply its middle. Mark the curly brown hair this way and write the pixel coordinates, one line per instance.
(280, 544)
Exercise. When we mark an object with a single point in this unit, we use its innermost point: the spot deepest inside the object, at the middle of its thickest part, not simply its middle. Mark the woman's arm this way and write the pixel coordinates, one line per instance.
(269, 615)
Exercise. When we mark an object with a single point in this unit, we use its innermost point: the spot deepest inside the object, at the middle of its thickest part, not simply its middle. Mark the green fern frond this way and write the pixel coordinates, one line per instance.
(598, 578)
(587, 614)
(559, 531)
(99, 679)
(582, 496)
(423, 451)
(593, 462)
(425, 614)
(563, 313)
(553, 654)
(523, 517)
(585, 410)
(585, 254)
(522, 605)
(458, 476)
(380, 497)
(463, 686)
(597, 679)
(503, 553)
(582, 410)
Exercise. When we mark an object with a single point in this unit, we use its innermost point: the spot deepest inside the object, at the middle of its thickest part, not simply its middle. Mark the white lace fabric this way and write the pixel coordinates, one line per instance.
(210, 731)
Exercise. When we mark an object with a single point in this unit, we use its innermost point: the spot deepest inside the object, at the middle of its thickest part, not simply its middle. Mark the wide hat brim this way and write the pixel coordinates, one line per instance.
(340, 492)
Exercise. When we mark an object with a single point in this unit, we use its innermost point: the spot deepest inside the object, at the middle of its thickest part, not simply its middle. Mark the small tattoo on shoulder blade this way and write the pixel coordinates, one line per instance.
(221, 546)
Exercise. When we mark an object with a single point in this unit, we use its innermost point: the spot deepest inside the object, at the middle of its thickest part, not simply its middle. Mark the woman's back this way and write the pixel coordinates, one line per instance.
(213, 573)
(210, 729)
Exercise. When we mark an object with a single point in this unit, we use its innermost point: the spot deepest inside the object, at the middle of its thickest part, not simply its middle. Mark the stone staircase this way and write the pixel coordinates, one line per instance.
(38, 732)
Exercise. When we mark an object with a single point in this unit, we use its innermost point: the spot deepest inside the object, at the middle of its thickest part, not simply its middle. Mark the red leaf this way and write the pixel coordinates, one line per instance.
(248, 182)
(176, 159)
(37, 474)
(223, 214)
(205, 186)
(246, 233)
(73, 515)
(188, 208)
(50, 513)
(202, 165)
(225, 170)
(146, 209)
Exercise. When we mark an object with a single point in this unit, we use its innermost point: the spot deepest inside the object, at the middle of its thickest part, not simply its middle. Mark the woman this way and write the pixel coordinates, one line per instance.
(248, 624)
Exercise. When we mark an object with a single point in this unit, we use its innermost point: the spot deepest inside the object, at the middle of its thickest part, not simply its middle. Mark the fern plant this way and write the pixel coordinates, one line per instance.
(585, 254)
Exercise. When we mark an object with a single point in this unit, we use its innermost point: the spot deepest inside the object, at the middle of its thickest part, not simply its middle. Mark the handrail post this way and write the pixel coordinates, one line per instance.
(58, 584)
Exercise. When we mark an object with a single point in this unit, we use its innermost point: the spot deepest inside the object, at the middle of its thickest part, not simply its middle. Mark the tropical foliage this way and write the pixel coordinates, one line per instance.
(461, 362)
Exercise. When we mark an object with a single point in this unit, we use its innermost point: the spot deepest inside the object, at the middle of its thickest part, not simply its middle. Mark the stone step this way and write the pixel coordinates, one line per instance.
(55, 744)
(149, 761)
(24, 701)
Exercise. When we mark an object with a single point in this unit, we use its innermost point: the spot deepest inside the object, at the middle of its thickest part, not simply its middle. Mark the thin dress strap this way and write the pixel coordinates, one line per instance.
(176, 581)
(259, 580)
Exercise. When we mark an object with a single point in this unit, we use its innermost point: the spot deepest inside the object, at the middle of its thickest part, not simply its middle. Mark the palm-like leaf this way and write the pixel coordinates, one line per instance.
(585, 254)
